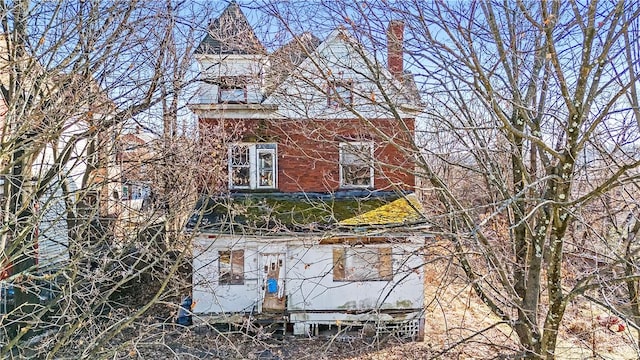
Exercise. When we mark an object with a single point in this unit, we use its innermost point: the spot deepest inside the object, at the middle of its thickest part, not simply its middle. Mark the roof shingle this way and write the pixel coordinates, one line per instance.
(231, 33)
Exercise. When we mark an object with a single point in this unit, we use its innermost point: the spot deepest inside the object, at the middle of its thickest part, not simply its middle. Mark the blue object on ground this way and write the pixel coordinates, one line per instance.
(184, 313)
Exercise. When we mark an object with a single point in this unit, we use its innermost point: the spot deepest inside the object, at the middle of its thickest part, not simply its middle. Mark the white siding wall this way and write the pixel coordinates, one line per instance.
(53, 230)
(311, 285)
(213, 298)
(53, 239)
(303, 95)
(213, 67)
(309, 278)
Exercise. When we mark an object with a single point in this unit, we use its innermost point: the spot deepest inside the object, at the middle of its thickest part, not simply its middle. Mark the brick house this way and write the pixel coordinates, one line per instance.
(134, 155)
(317, 226)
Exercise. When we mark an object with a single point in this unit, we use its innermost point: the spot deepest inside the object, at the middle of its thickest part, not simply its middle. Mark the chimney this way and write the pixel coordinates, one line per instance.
(395, 35)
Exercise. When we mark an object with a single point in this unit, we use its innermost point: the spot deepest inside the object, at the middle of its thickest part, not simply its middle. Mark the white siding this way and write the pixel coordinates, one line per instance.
(53, 236)
(309, 281)
(53, 232)
(303, 94)
(311, 286)
(213, 67)
(213, 298)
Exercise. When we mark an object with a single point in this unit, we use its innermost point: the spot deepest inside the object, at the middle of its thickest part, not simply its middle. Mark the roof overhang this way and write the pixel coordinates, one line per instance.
(234, 111)
(410, 109)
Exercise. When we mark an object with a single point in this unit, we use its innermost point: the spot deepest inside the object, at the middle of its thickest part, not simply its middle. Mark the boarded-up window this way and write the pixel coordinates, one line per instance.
(362, 264)
(231, 267)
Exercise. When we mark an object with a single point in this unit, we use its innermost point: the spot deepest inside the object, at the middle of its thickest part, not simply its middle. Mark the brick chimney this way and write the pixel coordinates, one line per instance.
(395, 49)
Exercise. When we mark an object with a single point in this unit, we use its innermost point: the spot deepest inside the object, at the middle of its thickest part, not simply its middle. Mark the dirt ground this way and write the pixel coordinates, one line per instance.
(582, 338)
(457, 326)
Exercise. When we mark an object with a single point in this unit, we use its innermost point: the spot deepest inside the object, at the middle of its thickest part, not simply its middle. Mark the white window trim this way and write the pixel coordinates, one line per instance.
(274, 168)
(254, 151)
(343, 145)
(230, 167)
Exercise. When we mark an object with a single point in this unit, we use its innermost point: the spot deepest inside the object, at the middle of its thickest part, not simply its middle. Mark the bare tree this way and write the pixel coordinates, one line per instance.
(73, 76)
(530, 121)
(529, 129)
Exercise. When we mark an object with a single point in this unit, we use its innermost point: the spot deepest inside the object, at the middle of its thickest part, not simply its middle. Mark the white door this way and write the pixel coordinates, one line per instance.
(273, 282)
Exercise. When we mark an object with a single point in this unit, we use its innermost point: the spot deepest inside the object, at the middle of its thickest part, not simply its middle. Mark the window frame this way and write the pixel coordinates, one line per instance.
(273, 169)
(341, 164)
(234, 277)
(233, 166)
(233, 83)
(346, 269)
(335, 99)
(255, 171)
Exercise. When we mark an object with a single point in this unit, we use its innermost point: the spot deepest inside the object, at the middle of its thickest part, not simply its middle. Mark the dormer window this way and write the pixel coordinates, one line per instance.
(340, 93)
(232, 90)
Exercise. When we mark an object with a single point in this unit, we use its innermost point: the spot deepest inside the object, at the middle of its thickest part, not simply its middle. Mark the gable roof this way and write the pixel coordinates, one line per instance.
(287, 58)
(231, 33)
(404, 92)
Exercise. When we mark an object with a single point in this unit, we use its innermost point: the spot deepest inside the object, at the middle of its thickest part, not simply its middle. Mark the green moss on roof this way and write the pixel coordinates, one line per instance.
(319, 211)
(259, 212)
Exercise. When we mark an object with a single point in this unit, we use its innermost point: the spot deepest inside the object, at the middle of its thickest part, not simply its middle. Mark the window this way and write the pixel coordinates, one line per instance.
(340, 93)
(356, 168)
(362, 264)
(232, 90)
(240, 166)
(265, 167)
(233, 94)
(252, 166)
(231, 267)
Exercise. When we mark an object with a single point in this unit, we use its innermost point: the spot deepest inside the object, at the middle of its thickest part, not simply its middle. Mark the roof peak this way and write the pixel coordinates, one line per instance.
(231, 33)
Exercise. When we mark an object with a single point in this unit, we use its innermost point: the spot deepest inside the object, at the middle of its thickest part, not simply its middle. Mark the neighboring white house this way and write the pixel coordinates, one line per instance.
(72, 168)
(77, 190)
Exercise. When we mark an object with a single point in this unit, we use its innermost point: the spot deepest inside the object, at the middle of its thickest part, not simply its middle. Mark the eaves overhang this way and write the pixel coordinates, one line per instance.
(234, 111)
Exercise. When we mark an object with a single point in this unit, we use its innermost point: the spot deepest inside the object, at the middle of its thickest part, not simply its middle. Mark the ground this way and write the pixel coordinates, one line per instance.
(582, 338)
(457, 326)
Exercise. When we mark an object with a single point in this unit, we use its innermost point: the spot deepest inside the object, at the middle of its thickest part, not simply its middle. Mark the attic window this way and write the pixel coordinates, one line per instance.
(362, 264)
(231, 267)
(340, 93)
(232, 90)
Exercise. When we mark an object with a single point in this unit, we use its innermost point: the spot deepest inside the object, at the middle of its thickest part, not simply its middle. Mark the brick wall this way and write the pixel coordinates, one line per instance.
(308, 151)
